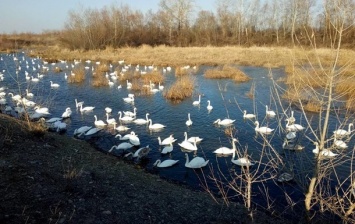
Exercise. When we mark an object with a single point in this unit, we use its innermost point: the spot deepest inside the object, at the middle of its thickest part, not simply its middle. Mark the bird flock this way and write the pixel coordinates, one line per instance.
(11, 102)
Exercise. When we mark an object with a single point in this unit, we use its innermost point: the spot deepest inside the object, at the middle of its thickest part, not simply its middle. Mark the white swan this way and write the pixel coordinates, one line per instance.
(133, 139)
(130, 113)
(41, 110)
(189, 121)
(292, 119)
(165, 163)
(34, 79)
(248, 116)
(291, 135)
(324, 152)
(340, 144)
(82, 129)
(123, 145)
(226, 151)
(167, 149)
(108, 110)
(125, 118)
(78, 104)
(224, 122)
(140, 153)
(125, 137)
(120, 128)
(241, 161)
(141, 120)
(129, 99)
(193, 139)
(188, 145)
(15, 97)
(270, 113)
(28, 94)
(86, 109)
(109, 120)
(209, 107)
(342, 133)
(160, 87)
(67, 113)
(155, 126)
(54, 119)
(129, 85)
(167, 141)
(99, 122)
(197, 162)
(92, 131)
(293, 127)
(262, 130)
(54, 85)
(197, 102)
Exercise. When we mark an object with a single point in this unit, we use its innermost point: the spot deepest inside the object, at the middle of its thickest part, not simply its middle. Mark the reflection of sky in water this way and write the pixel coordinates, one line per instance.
(227, 98)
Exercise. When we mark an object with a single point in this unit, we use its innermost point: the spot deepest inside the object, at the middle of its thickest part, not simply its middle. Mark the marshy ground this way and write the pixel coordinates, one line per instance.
(54, 178)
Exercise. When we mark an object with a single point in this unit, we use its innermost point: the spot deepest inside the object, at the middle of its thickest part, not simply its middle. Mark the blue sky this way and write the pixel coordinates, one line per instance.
(37, 16)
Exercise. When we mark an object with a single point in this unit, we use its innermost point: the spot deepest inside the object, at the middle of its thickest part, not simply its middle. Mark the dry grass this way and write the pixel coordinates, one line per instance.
(227, 72)
(181, 89)
(301, 77)
(77, 75)
(155, 77)
(99, 79)
(312, 106)
(101, 68)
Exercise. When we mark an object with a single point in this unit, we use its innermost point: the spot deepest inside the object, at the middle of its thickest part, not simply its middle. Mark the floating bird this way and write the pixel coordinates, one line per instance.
(197, 162)
(293, 127)
(54, 119)
(108, 110)
(82, 130)
(99, 122)
(130, 113)
(291, 135)
(285, 177)
(28, 94)
(120, 128)
(86, 109)
(324, 152)
(342, 133)
(209, 107)
(188, 145)
(141, 120)
(140, 153)
(248, 116)
(270, 113)
(167, 149)
(197, 102)
(54, 85)
(165, 163)
(292, 146)
(226, 151)
(262, 130)
(123, 145)
(67, 113)
(189, 121)
(78, 104)
(224, 122)
(110, 121)
(125, 118)
(241, 161)
(128, 99)
(167, 141)
(340, 144)
(155, 126)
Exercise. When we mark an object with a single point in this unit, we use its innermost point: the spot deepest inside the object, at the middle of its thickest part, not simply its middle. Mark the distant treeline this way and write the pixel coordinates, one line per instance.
(233, 22)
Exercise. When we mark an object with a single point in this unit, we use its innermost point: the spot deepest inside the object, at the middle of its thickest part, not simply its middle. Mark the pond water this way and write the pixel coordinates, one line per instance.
(228, 99)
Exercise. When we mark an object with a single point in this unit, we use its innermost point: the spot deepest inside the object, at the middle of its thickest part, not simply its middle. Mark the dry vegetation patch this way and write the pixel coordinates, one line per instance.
(227, 72)
(181, 89)
(77, 75)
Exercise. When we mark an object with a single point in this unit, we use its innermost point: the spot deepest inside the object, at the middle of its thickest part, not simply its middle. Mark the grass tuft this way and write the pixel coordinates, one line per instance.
(181, 89)
(77, 75)
(227, 72)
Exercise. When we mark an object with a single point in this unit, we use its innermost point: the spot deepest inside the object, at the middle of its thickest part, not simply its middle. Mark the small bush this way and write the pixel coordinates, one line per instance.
(227, 72)
(312, 106)
(101, 68)
(57, 69)
(77, 75)
(154, 77)
(181, 89)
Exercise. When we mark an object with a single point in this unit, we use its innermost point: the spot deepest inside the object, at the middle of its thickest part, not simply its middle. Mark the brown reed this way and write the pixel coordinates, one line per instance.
(99, 79)
(227, 72)
(77, 75)
(182, 88)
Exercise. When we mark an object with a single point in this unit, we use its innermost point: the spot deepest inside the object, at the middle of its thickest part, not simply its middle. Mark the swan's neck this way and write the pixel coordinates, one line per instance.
(187, 160)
